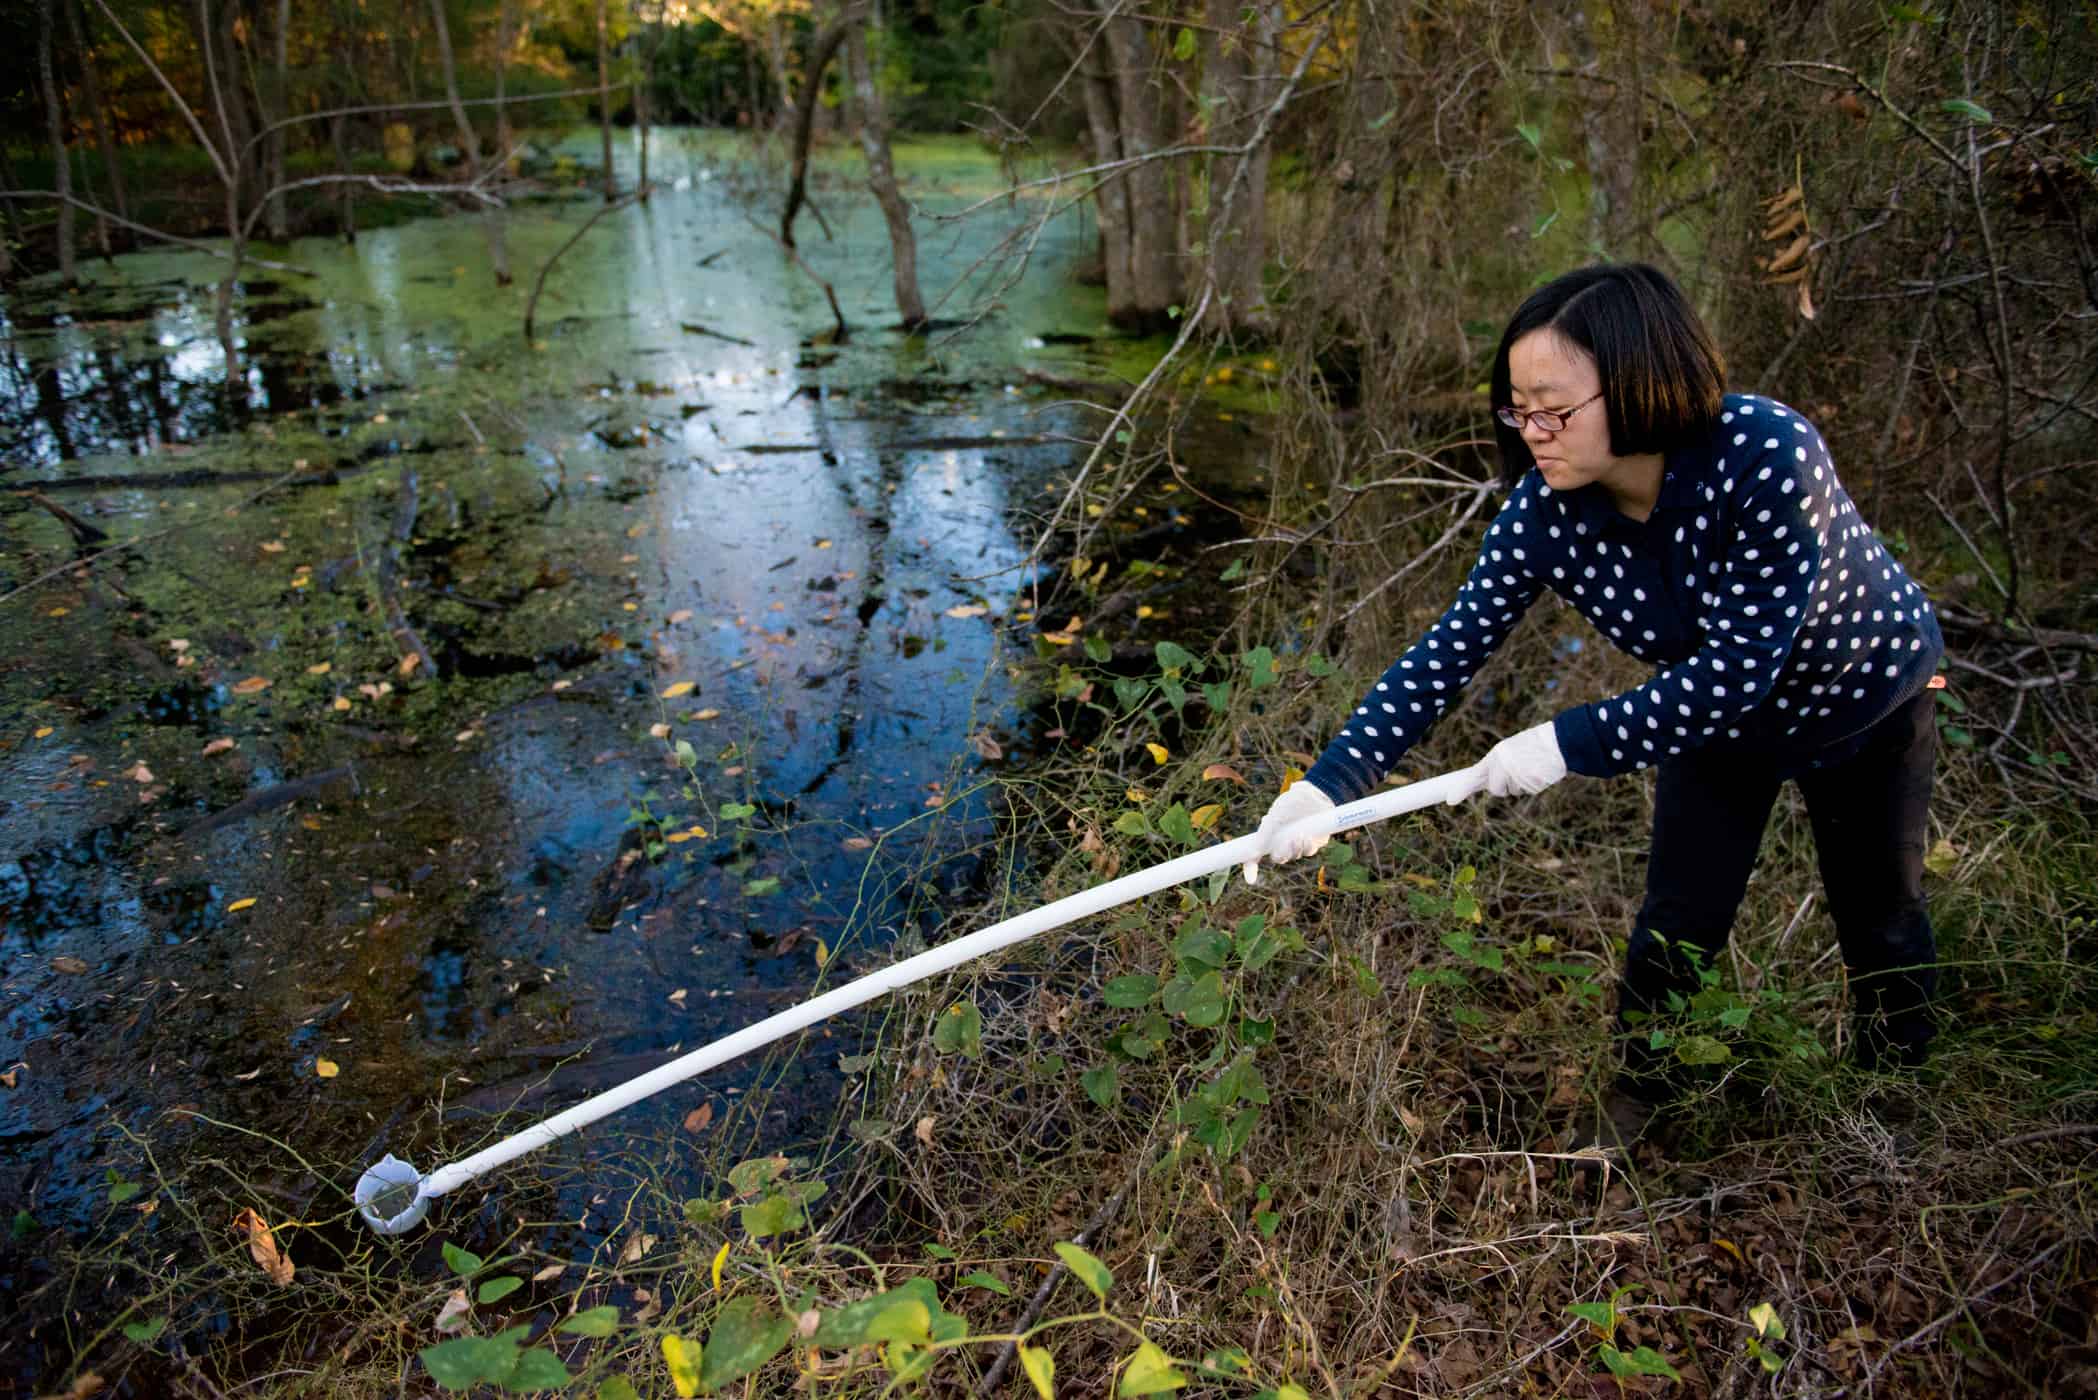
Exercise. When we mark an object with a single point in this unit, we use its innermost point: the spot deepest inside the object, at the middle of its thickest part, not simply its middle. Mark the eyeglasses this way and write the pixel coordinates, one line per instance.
(1543, 419)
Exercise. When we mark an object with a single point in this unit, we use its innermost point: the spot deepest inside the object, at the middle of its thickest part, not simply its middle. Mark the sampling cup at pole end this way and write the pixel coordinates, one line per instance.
(389, 1196)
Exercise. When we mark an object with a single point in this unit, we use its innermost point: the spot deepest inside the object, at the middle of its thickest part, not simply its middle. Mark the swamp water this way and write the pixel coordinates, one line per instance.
(270, 902)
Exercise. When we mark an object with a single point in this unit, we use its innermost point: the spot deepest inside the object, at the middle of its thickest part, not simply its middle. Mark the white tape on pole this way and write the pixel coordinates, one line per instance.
(1450, 787)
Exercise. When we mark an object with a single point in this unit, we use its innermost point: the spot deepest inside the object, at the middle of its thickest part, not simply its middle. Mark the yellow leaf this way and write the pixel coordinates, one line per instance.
(409, 663)
(1158, 752)
(967, 610)
(326, 1068)
(321, 669)
(239, 904)
(1205, 816)
(1943, 858)
(822, 953)
(1145, 610)
(681, 615)
(706, 714)
(694, 834)
(253, 685)
(683, 1359)
(44, 732)
(1290, 776)
(1137, 795)
(673, 691)
(823, 544)
(1062, 639)
(1224, 771)
(1040, 1367)
(720, 1258)
(659, 731)
(342, 702)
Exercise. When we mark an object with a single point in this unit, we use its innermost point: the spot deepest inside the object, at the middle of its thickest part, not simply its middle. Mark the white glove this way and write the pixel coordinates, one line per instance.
(1524, 763)
(1285, 831)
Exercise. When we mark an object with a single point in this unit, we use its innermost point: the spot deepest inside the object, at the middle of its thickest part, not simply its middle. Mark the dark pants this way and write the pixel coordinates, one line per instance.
(1870, 817)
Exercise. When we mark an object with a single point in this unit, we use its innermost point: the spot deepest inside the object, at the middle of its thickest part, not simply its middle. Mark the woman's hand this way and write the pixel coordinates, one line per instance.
(1523, 763)
(1286, 832)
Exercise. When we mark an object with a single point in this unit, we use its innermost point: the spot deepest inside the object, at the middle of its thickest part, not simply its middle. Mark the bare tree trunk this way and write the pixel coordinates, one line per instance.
(1111, 196)
(881, 177)
(820, 53)
(469, 139)
(1154, 276)
(231, 172)
(498, 217)
(1238, 69)
(346, 198)
(505, 36)
(279, 110)
(604, 94)
(91, 79)
(54, 119)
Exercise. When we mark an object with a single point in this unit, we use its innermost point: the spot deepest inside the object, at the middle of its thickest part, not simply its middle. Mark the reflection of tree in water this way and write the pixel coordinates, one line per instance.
(112, 398)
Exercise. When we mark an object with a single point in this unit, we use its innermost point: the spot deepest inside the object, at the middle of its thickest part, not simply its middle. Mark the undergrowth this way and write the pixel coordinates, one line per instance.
(1301, 1138)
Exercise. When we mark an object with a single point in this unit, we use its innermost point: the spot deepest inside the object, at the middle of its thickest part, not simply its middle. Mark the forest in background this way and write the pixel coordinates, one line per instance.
(1888, 212)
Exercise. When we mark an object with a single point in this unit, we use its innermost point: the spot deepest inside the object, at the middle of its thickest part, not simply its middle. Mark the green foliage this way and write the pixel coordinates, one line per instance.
(502, 1361)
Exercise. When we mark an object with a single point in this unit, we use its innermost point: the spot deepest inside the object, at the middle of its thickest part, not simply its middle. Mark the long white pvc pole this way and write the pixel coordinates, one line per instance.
(1450, 787)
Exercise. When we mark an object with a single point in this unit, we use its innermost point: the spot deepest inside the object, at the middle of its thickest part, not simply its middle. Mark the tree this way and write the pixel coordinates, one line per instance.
(881, 177)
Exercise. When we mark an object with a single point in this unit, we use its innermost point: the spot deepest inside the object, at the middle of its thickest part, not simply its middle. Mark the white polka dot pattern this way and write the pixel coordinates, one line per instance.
(1772, 613)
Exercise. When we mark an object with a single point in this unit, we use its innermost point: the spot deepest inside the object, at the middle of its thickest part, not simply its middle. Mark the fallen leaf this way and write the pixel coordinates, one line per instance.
(923, 1132)
(1159, 753)
(697, 1120)
(140, 774)
(677, 998)
(823, 544)
(409, 662)
(1062, 639)
(273, 546)
(805, 1326)
(706, 714)
(691, 834)
(822, 953)
(681, 615)
(452, 1316)
(659, 731)
(986, 747)
(262, 1247)
(251, 1074)
(253, 685)
(636, 1247)
(43, 732)
(63, 963)
(1205, 817)
(239, 904)
(326, 1068)
(217, 746)
(673, 691)
(1224, 771)
(1943, 858)
(342, 702)
(178, 644)
(550, 1271)
(967, 610)
(10, 1077)
(465, 735)
(857, 843)
(320, 668)
(720, 1258)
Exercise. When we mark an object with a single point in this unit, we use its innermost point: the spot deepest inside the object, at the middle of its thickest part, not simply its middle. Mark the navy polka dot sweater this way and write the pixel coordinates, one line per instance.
(1773, 616)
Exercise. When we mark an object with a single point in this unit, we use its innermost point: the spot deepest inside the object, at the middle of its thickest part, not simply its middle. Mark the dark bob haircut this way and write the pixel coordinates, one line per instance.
(1662, 375)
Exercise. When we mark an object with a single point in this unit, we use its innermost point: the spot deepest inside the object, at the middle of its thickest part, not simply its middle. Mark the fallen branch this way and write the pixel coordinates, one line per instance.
(256, 803)
(404, 632)
(82, 564)
(83, 533)
(539, 284)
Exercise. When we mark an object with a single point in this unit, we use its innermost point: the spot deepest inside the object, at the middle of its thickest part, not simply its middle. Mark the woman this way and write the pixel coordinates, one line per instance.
(1706, 534)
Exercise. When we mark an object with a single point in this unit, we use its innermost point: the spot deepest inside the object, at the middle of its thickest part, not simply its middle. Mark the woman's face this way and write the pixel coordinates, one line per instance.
(1548, 371)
